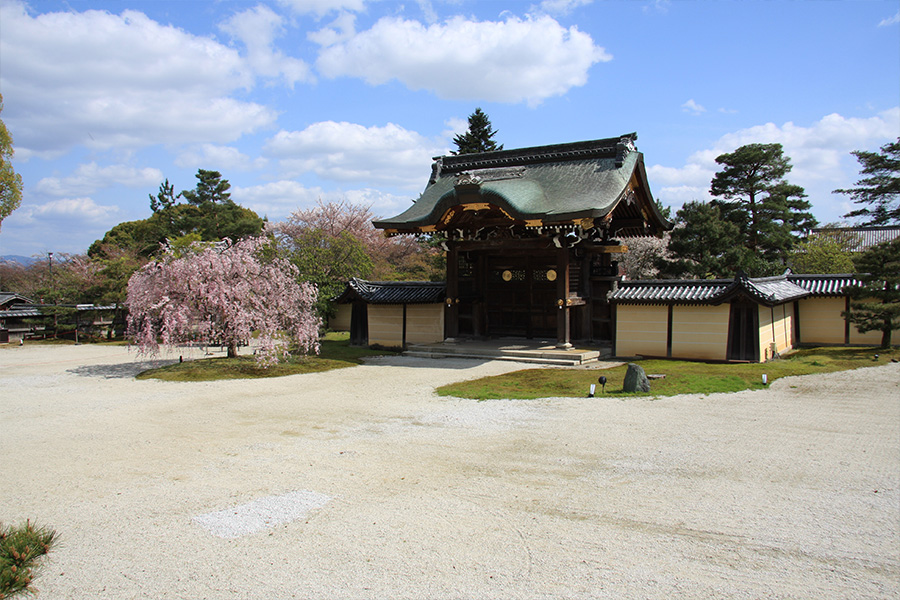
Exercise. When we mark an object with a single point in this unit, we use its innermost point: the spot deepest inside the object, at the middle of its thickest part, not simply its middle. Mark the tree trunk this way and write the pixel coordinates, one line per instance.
(232, 350)
(886, 337)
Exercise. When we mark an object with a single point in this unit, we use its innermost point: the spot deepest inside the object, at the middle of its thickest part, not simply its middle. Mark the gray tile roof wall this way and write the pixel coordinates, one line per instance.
(669, 291)
(766, 290)
(772, 290)
(824, 285)
(393, 292)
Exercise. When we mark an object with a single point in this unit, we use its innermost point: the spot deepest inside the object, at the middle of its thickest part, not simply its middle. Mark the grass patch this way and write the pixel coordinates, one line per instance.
(682, 377)
(335, 353)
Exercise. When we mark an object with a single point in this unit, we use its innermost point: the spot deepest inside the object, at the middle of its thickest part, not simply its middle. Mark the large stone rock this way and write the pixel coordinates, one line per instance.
(635, 379)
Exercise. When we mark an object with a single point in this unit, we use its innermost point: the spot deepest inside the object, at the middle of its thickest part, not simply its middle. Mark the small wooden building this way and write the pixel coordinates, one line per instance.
(391, 314)
(531, 234)
(739, 319)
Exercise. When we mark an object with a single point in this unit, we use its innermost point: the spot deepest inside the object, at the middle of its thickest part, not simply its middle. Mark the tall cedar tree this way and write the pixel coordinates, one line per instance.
(10, 181)
(751, 192)
(880, 191)
(875, 303)
(479, 137)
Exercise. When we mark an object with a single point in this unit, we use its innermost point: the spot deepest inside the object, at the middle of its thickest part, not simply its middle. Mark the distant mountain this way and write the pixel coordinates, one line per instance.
(15, 258)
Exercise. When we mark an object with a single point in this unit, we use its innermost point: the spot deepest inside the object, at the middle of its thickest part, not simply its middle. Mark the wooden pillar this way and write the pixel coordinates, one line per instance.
(451, 320)
(563, 326)
(403, 339)
(846, 321)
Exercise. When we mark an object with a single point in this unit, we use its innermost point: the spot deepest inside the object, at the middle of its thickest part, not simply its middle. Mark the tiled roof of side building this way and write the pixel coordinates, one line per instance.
(688, 291)
(824, 285)
(863, 237)
(765, 290)
(11, 298)
(393, 292)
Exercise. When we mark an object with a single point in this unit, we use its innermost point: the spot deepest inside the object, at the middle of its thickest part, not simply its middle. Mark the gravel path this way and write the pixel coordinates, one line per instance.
(362, 483)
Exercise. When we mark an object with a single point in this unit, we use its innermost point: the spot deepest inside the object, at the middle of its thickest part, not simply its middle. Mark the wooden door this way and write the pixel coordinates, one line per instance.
(520, 296)
(743, 332)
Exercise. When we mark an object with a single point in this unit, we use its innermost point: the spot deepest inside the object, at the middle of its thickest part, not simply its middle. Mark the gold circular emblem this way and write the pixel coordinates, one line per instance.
(551, 275)
(507, 275)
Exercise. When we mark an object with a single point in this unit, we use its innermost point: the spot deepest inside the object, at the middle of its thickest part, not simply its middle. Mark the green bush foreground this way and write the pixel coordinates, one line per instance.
(21, 548)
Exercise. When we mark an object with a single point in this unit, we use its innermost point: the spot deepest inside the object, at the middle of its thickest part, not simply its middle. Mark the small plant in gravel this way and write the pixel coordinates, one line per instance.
(20, 551)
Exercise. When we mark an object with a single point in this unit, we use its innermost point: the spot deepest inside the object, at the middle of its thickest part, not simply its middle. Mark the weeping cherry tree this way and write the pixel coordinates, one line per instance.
(222, 294)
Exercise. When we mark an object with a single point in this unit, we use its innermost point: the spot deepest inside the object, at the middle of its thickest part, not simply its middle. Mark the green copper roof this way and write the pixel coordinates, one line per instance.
(551, 183)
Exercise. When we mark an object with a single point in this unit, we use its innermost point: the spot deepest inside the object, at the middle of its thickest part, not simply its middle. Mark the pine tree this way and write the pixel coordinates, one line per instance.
(875, 303)
(751, 192)
(881, 189)
(479, 137)
(210, 188)
(703, 245)
(165, 198)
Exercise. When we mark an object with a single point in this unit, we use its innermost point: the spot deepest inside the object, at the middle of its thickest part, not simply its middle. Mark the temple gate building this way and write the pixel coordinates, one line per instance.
(532, 236)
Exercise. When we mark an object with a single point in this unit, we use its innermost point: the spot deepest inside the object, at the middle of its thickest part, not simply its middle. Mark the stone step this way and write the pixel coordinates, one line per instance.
(582, 355)
(562, 362)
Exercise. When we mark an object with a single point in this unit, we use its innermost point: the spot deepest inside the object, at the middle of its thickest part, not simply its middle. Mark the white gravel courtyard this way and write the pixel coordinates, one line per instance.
(362, 483)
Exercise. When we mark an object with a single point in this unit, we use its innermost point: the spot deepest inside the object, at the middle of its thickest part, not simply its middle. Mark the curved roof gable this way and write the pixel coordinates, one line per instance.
(546, 185)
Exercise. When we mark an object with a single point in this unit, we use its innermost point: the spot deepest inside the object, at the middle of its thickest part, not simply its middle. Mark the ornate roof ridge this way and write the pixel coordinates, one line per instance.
(615, 147)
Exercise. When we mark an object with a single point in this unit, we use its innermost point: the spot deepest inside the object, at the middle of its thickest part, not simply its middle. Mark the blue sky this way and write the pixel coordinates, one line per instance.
(297, 100)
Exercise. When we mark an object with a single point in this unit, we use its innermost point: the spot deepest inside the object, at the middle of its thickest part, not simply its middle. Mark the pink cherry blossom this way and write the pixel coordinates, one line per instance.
(223, 294)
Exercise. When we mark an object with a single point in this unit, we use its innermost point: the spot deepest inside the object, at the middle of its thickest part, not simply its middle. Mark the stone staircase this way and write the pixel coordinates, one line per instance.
(513, 349)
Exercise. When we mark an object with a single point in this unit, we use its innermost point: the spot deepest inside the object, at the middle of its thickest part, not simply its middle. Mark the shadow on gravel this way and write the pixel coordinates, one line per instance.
(120, 370)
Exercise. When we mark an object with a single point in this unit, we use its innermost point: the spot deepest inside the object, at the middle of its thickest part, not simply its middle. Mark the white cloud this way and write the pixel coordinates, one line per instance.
(340, 30)
(692, 107)
(322, 7)
(257, 29)
(276, 199)
(219, 158)
(36, 228)
(454, 127)
(279, 199)
(345, 152)
(657, 6)
(72, 210)
(560, 7)
(890, 20)
(819, 153)
(515, 60)
(107, 80)
(91, 177)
